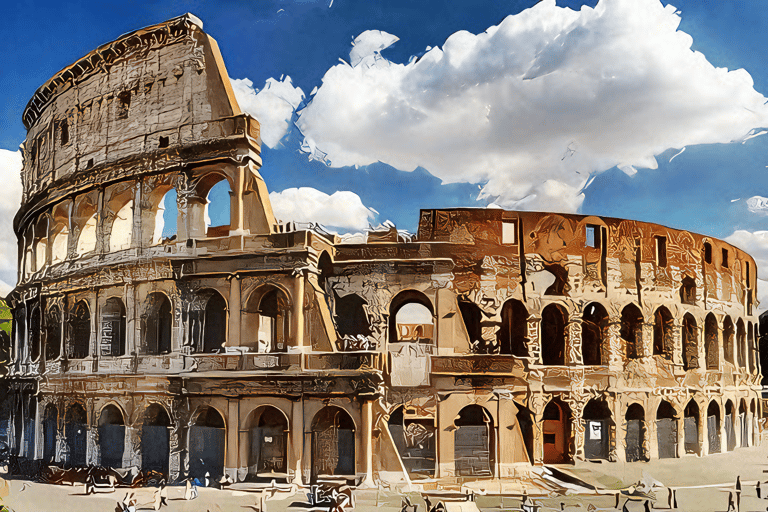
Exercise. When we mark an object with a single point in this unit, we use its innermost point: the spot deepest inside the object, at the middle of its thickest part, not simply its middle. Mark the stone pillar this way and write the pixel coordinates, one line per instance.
(37, 450)
(92, 452)
(176, 469)
(366, 443)
(578, 430)
(137, 234)
(297, 315)
(235, 309)
(646, 340)
(233, 428)
(132, 448)
(619, 451)
(534, 340)
(244, 454)
(615, 351)
(102, 240)
(132, 323)
(676, 333)
(296, 452)
(573, 355)
(681, 436)
(62, 450)
(237, 216)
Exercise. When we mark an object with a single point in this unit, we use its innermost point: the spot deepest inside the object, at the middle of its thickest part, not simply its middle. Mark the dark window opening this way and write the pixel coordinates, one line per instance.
(553, 322)
(163, 142)
(113, 328)
(125, 104)
(593, 329)
(472, 317)
(560, 286)
(89, 164)
(157, 323)
(631, 330)
(214, 324)
(592, 236)
(662, 333)
(688, 291)
(690, 343)
(52, 334)
(63, 132)
(711, 348)
(512, 336)
(34, 334)
(79, 332)
(273, 321)
(707, 252)
(661, 251)
(725, 258)
(728, 338)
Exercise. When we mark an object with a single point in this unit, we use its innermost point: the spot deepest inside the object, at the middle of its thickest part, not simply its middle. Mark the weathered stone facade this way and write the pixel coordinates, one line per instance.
(489, 341)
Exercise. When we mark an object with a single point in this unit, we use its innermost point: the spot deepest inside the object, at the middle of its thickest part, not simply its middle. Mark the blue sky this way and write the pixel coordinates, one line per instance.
(603, 78)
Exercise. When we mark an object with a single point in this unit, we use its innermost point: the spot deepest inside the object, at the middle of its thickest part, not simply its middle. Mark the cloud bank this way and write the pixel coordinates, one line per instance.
(10, 169)
(535, 106)
(755, 243)
(343, 210)
(273, 105)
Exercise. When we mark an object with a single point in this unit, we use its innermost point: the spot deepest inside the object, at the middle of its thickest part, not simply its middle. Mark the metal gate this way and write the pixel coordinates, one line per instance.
(111, 444)
(155, 448)
(472, 455)
(635, 441)
(206, 451)
(691, 431)
(713, 434)
(268, 449)
(596, 437)
(666, 432)
(730, 435)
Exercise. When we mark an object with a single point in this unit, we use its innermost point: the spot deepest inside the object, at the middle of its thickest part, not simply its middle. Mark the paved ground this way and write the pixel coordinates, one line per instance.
(703, 484)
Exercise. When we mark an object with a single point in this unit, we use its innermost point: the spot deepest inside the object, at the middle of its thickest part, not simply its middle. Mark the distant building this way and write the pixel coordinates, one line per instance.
(489, 341)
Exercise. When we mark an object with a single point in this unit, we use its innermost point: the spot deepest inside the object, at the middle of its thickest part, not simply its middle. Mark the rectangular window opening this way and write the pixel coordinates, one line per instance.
(163, 142)
(725, 258)
(509, 232)
(707, 252)
(592, 236)
(64, 132)
(125, 104)
(661, 251)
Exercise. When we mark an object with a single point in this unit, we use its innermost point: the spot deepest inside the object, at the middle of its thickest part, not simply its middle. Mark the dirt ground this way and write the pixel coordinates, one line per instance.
(702, 484)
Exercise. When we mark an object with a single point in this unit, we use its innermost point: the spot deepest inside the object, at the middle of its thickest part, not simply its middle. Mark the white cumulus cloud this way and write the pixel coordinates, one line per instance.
(10, 169)
(536, 105)
(273, 105)
(758, 204)
(344, 210)
(370, 42)
(755, 243)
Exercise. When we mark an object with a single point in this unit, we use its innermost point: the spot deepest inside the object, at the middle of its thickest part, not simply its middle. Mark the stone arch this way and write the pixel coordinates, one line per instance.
(594, 331)
(512, 336)
(411, 318)
(525, 419)
(156, 324)
(728, 339)
(598, 429)
(118, 213)
(414, 437)
(200, 204)
(632, 330)
(333, 442)
(691, 427)
(111, 436)
(711, 347)
(743, 423)
(729, 421)
(267, 312)
(112, 328)
(688, 291)
(207, 443)
(50, 426)
(268, 436)
(666, 430)
(79, 331)
(472, 316)
(741, 339)
(553, 334)
(663, 337)
(635, 438)
(713, 427)
(59, 233)
(165, 215)
(556, 431)
(474, 442)
(214, 323)
(690, 343)
(53, 322)
(84, 221)
(40, 241)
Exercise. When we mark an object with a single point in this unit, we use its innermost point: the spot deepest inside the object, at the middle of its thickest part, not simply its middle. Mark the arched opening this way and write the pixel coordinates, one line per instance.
(553, 320)
(472, 317)
(691, 427)
(217, 210)
(268, 435)
(60, 234)
(556, 432)
(666, 430)
(206, 444)
(688, 291)
(122, 228)
(155, 439)
(41, 242)
(473, 449)
(598, 434)
(86, 242)
(414, 438)
(111, 436)
(526, 423)
(635, 437)
(76, 433)
(713, 427)
(730, 434)
(333, 443)
(268, 313)
(663, 342)
(728, 339)
(741, 338)
(512, 336)
(113, 328)
(34, 333)
(214, 323)
(594, 326)
(325, 266)
(690, 343)
(632, 330)
(411, 318)
(166, 218)
(53, 334)
(156, 325)
(50, 428)
(743, 424)
(79, 343)
(351, 321)
(711, 349)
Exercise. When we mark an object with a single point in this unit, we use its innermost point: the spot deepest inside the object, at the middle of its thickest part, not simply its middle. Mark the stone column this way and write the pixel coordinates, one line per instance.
(244, 454)
(534, 340)
(176, 469)
(645, 344)
(136, 234)
(235, 309)
(573, 355)
(676, 334)
(615, 351)
(132, 324)
(297, 315)
(366, 443)
(620, 439)
(92, 451)
(237, 216)
(296, 452)
(233, 427)
(681, 436)
(102, 240)
(132, 449)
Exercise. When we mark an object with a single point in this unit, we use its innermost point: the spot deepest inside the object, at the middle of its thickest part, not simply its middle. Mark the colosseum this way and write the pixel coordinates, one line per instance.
(488, 343)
